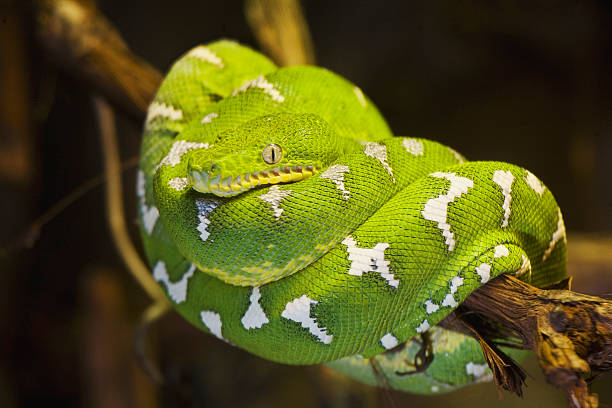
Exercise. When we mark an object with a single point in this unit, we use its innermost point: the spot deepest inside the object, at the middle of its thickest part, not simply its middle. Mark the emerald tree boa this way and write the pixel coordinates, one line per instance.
(281, 215)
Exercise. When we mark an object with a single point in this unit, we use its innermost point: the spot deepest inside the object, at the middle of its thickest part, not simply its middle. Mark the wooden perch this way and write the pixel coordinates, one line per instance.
(80, 40)
(570, 333)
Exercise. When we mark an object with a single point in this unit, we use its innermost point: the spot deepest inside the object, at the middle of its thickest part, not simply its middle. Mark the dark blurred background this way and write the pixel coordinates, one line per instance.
(524, 82)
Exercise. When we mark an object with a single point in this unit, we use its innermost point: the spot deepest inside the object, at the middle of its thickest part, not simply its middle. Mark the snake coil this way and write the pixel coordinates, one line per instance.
(280, 214)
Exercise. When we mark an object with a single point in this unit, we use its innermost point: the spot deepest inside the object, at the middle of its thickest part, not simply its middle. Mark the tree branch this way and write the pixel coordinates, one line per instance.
(81, 41)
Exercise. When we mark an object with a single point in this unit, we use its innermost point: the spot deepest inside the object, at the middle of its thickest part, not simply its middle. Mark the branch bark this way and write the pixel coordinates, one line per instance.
(79, 39)
(570, 333)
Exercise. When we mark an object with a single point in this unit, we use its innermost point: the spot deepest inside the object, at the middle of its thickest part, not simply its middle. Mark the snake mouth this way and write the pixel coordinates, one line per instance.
(231, 186)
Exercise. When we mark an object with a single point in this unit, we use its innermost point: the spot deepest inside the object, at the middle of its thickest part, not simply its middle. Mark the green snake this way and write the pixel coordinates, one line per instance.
(281, 215)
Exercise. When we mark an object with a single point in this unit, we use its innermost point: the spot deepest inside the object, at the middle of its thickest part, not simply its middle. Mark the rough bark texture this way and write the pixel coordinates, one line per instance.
(570, 333)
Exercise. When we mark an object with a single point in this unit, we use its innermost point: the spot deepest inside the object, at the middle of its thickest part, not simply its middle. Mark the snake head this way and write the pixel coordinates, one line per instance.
(270, 149)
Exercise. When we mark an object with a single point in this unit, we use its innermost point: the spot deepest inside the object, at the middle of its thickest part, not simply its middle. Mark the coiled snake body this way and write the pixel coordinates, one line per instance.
(281, 215)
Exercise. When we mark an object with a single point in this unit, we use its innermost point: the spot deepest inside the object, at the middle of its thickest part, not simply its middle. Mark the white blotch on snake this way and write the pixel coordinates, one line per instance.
(178, 183)
(140, 185)
(360, 96)
(205, 207)
(208, 118)
(299, 311)
(273, 197)
(449, 300)
(379, 152)
(501, 250)
(178, 149)
(504, 179)
(389, 341)
(335, 173)
(558, 235)
(484, 270)
(423, 327)
(436, 209)
(430, 307)
(262, 83)
(161, 110)
(176, 290)
(150, 215)
(413, 146)
(535, 184)
(212, 320)
(365, 260)
(254, 318)
(525, 267)
(205, 54)
(457, 155)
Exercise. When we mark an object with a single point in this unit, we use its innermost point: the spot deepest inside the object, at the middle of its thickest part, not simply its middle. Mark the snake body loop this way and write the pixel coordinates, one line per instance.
(280, 214)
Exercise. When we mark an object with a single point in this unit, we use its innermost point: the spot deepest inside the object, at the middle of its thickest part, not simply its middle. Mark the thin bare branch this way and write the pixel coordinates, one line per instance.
(282, 31)
(114, 202)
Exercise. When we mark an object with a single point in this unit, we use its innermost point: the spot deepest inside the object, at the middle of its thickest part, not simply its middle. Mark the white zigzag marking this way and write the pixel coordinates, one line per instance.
(457, 155)
(255, 317)
(449, 300)
(525, 266)
(274, 196)
(365, 260)
(161, 110)
(379, 152)
(360, 96)
(535, 184)
(430, 307)
(140, 185)
(501, 250)
(205, 54)
(558, 235)
(212, 320)
(413, 146)
(504, 179)
(178, 149)
(484, 270)
(423, 327)
(178, 183)
(436, 209)
(150, 215)
(335, 173)
(177, 290)
(205, 207)
(208, 118)
(299, 311)
(389, 341)
(262, 83)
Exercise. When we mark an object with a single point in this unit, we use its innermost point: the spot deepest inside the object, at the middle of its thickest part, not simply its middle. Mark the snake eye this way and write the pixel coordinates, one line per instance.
(272, 153)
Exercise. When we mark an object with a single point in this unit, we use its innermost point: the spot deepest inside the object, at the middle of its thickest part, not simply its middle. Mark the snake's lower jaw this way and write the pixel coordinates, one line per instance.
(231, 186)
(226, 187)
